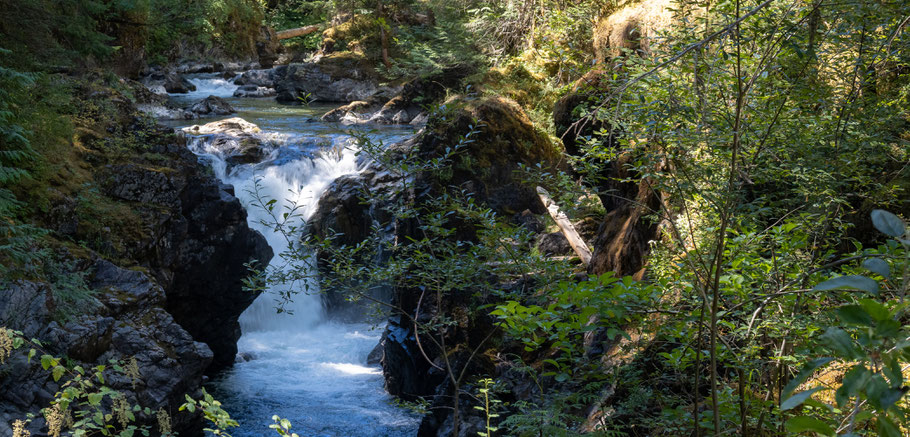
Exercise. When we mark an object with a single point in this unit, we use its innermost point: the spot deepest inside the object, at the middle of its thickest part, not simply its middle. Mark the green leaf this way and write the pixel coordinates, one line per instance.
(886, 428)
(892, 371)
(798, 399)
(854, 380)
(880, 394)
(57, 373)
(875, 309)
(878, 265)
(47, 361)
(31, 354)
(804, 423)
(854, 315)
(887, 223)
(855, 282)
(840, 342)
(94, 398)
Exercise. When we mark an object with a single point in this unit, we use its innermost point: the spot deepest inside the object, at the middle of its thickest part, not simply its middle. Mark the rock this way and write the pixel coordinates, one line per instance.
(254, 91)
(234, 139)
(162, 112)
(211, 105)
(404, 369)
(406, 107)
(529, 221)
(375, 356)
(331, 79)
(263, 78)
(235, 126)
(554, 244)
(177, 84)
(504, 137)
(267, 46)
(124, 321)
(195, 68)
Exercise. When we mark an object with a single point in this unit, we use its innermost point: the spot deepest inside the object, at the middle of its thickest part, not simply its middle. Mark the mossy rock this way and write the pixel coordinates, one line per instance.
(501, 137)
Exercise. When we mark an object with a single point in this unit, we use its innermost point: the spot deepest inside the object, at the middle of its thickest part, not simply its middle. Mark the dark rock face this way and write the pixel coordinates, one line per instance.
(503, 139)
(328, 80)
(124, 320)
(408, 107)
(267, 47)
(554, 243)
(211, 105)
(199, 250)
(261, 77)
(176, 83)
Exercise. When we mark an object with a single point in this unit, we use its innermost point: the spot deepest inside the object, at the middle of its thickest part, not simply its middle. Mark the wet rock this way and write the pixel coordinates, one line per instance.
(254, 91)
(211, 105)
(263, 78)
(162, 112)
(177, 84)
(331, 79)
(234, 139)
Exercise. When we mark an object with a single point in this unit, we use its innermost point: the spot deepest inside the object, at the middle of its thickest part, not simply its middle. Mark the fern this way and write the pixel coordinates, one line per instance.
(17, 240)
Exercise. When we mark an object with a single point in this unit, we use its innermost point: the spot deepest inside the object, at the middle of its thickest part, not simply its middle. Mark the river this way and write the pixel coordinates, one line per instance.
(304, 367)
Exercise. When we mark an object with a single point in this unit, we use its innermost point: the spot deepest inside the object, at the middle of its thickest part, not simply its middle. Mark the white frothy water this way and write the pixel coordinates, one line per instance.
(211, 86)
(300, 366)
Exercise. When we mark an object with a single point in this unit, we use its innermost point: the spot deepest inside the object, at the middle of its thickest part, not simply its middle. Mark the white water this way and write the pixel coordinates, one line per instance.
(211, 85)
(304, 367)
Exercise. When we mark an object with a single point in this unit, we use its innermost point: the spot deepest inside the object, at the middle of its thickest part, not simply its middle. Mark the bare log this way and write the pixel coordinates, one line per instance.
(575, 240)
(300, 31)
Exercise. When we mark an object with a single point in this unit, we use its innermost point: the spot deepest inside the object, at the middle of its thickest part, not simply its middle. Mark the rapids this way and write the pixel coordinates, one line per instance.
(304, 367)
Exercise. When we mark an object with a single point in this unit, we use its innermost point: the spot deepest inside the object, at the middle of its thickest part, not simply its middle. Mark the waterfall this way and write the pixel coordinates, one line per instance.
(301, 366)
(291, 182)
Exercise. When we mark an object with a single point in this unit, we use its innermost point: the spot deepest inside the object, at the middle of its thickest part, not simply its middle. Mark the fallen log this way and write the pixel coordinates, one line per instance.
(300, 31)
(565, 226)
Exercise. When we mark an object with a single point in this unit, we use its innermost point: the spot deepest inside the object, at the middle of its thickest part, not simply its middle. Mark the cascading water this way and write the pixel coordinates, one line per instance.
(302, 367)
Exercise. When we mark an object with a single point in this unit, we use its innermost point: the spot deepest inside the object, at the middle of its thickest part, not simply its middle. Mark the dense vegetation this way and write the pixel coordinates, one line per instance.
(754, 152)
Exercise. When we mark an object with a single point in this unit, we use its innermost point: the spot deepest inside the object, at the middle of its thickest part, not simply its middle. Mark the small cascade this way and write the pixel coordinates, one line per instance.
(211, 85)
(299, 366)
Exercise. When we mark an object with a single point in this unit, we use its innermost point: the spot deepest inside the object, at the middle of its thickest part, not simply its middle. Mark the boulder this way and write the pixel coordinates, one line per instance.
(261, 77)
(122, 320)
(554, 244)
(267, 46)
(254, 91)
(235, 139)
(502, 137)
(177, 84)
(337, 78)
(407, 107)
(211, 105)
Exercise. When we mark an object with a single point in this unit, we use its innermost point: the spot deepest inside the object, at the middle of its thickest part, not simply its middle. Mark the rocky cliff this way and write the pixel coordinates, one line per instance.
(151, 250)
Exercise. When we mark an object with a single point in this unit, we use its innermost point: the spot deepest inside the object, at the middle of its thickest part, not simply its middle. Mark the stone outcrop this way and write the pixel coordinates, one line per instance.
(210, 106)
(235, 139)
(408, 107)
(177, 84)
(124, 319)
(163, 256)
(335, 78)
(254, 91)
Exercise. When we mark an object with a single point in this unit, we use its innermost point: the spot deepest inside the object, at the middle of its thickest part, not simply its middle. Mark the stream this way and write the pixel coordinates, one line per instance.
(303, 367)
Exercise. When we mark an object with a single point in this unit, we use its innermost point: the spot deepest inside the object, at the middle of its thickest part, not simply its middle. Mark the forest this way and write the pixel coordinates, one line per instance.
(454, 218)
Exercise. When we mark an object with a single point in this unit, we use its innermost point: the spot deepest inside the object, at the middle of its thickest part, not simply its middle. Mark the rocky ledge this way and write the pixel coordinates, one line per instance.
(156, 278)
